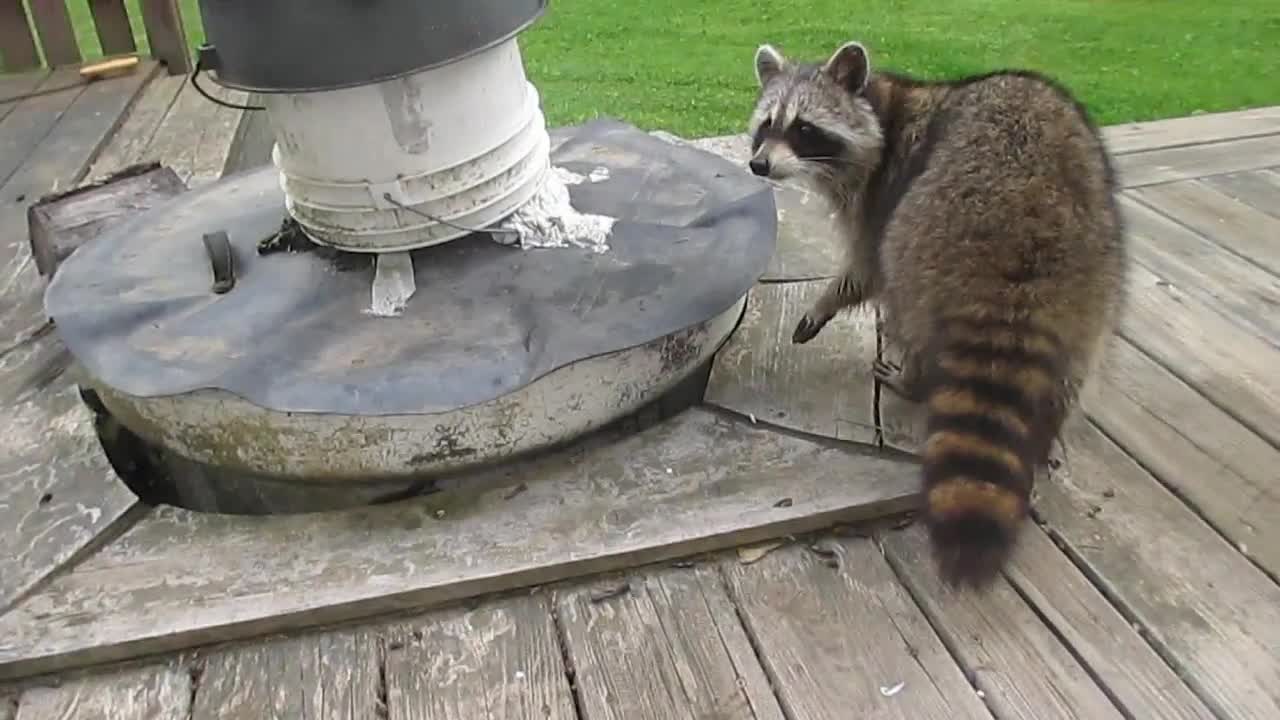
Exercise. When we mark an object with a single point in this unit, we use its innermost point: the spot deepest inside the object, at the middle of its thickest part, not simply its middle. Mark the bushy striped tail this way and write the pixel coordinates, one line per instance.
(993, 412)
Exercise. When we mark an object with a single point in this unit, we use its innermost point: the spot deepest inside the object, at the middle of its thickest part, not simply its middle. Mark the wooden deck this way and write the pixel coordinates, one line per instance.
(640, 577)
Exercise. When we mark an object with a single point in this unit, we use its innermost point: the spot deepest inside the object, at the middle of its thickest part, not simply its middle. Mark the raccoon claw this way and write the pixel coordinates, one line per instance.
(806, 330)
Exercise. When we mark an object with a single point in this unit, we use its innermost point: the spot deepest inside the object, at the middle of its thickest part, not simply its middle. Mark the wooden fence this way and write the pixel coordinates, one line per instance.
(57, 38)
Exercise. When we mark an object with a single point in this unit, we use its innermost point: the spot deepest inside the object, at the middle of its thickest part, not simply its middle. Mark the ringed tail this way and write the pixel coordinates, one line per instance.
(993, 412)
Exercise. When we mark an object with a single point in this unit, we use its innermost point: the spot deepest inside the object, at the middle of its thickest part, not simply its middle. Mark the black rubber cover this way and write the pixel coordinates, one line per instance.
(302, 45)
(695, 232)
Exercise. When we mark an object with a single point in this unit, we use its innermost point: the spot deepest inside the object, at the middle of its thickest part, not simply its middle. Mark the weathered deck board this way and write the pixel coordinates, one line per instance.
(1226, 472)
(16, 85)
(824, 387)
(697, 482)
(195, 136)
(501, 660)
(159, 693)
(847, 641)
(252, 141)
(1236, 288)
(1134, 675)
(1196, 599)
(1249, 233)
(1193, 130)
(58, 492)
(1231, 366)
(333, 676)
(1022, 668)
(668, 646)
(1193, 161)
(1260, 189)
(29, 121)
(132, 141)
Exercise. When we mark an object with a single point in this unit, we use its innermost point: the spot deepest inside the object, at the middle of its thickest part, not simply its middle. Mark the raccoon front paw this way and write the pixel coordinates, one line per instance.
(807, 329)
(893, 378)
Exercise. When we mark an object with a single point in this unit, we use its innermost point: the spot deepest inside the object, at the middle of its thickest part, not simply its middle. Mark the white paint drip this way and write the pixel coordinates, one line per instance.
(393, 284)
(549, 220)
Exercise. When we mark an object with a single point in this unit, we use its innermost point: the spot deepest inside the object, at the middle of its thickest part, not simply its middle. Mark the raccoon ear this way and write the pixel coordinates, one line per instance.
(850, 67)
(769, 62)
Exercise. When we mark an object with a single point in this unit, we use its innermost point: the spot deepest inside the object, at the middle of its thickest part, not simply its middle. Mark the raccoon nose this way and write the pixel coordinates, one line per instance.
(759, 166)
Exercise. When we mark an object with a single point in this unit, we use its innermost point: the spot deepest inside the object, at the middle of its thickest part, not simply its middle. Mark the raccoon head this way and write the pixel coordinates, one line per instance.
(814, 122)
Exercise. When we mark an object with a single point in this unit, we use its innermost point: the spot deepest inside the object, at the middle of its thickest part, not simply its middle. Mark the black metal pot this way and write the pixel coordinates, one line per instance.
(309, 45)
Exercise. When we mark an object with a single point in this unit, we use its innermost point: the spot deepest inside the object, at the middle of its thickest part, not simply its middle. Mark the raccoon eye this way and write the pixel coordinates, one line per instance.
(805, 128)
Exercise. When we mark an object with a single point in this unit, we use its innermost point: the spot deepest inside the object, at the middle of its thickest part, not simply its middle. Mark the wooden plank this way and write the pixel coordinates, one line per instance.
(57, 37)
(58, 493)
(111, 21)
(330, 676)
(1228, 283)
(663, 644)
(18, 85)
(1198, 601)
(846, 641)
(195, 136)
(160, 693)
(166, 34)
(1260, 189)
(1249, 233)
(1193, 130)
(252, 142)
(695, 483)
(1134, 675)
(131, 143)
(501, 660)
(1022, 668)
(824, 387)
(17, 44)
(8, 706)
(1231, 366)
(31, 120)
(1193, 161)
(1225, 471)
(808, 242)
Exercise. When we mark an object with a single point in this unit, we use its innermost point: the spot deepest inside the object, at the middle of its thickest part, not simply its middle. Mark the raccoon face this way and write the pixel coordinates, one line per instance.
(814, 122)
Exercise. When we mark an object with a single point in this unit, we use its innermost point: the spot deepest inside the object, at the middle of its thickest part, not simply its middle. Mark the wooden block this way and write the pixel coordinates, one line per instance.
(1245, 231)
(330, 676)
(1236, 288)
(1193, 161)
(695, 483)
(114, 67)
(1193, 130)
(1230, 365)
(1022, 668)
(501, 660)
(663, 644)
(1205, 456)
(1260, 189)
(824, 387)
(846, 641)
(59, 224)
(1212, 615)
(156, 693)
(1099, 636)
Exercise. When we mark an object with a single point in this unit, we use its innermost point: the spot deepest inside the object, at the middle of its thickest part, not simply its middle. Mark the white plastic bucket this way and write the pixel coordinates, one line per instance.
(465, 143)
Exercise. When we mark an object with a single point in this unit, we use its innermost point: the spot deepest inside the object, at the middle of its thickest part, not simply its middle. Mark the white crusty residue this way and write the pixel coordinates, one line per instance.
(549, 220)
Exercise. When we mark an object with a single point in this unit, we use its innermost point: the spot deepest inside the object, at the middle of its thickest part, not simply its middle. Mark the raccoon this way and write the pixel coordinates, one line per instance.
(980, 214)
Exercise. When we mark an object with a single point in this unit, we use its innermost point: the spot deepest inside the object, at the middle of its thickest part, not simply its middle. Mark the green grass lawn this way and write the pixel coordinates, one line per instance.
(685, 65)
